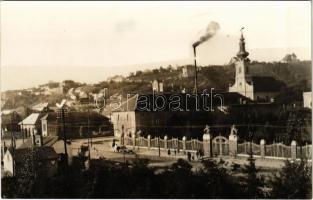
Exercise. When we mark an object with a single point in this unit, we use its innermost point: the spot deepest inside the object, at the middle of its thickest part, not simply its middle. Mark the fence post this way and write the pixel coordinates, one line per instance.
(149, 141)
(207, 144)
(232, 142)
(134, 140)
(165, 142)
(262, 148)
(184, 144)
(293, 149)
(122, 140)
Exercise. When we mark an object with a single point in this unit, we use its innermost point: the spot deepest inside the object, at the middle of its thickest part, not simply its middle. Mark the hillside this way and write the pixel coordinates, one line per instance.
(296, 75)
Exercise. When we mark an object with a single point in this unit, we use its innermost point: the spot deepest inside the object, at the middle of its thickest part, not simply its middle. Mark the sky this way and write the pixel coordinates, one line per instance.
(89, 41)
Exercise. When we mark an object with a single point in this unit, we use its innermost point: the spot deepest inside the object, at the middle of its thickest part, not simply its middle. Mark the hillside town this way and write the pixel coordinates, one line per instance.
(242, 129)
(92, 117)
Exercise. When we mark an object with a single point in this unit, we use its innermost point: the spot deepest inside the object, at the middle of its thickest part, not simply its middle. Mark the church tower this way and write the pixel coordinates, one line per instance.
(243, 83)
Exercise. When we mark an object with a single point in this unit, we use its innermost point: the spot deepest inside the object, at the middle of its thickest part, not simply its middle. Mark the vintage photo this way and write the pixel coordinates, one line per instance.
(156, 99)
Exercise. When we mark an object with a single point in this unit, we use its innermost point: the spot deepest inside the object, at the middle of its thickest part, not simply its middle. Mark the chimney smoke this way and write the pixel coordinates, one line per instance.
(212, 28)
(210, 31)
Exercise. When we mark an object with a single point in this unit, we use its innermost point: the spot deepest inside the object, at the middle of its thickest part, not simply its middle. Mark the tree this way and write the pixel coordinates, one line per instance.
(293, 181)
(217, 181)
(177, 181)
(254, 183)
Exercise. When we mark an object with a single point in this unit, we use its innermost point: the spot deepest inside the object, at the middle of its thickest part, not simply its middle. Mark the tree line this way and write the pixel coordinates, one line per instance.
(136, 179)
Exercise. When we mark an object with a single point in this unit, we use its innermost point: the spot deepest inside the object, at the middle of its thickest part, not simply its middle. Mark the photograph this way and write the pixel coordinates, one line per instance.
(156, 99)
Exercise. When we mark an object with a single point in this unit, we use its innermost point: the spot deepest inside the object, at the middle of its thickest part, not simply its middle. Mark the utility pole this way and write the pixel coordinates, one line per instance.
(196, 71)
(63, 115)
(64, 135)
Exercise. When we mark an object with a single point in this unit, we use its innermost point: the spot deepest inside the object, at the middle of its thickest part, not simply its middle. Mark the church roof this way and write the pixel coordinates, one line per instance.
(136, 103)
(266, 84)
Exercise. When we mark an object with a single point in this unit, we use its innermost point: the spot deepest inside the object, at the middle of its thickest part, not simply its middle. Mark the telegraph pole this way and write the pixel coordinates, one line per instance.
(64, 135)
(63, 114)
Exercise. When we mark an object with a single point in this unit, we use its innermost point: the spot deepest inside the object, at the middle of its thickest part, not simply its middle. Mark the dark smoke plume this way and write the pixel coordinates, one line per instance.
(212, 28)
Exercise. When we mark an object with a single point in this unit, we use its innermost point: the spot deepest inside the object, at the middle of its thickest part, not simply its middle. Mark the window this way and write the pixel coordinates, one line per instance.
(118, 117)
(127, 117)
(240, 84)
(44, 127)
(239, 71)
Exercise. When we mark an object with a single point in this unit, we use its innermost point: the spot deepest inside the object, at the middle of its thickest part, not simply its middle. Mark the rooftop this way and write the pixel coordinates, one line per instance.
(31, 119)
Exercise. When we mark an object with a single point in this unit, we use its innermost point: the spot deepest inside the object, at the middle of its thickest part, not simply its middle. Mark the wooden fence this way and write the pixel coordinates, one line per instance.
(220, 146)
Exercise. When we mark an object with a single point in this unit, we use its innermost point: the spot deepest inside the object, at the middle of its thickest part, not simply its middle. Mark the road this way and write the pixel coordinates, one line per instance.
(102, 148)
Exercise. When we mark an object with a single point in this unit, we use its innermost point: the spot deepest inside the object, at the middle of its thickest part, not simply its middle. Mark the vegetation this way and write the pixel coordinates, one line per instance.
(294, 181)
(108, 179)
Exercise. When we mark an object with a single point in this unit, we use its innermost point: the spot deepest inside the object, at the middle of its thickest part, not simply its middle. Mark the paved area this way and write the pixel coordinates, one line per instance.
(102, 148)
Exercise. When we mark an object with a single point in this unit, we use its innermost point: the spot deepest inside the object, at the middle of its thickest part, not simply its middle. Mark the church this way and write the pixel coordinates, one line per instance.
(256, 88)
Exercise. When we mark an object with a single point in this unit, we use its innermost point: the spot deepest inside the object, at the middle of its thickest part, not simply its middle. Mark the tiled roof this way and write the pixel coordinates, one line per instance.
(31, 119)
(77, 117)
(266, 84)
(46, 141)
(229, 98)
(128, 105)
(43, 153)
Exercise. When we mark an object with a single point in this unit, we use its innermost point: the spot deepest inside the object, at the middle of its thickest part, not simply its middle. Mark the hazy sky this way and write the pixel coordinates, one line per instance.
(43, 41)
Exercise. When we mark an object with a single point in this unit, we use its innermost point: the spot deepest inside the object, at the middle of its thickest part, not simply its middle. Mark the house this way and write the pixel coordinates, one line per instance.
(176, 114)
(188, 71)
(78, 125)
(36, 153)
(307, 100)
(31, 124)
(157, 86)
(15, 161)
(51, 128)
(257, 88)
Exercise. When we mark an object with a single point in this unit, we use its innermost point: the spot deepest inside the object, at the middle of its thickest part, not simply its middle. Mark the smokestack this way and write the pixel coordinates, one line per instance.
(196, 74)
(212, 28)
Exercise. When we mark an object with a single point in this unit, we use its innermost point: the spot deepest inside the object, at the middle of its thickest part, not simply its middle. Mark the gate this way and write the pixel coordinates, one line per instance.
(220, 146)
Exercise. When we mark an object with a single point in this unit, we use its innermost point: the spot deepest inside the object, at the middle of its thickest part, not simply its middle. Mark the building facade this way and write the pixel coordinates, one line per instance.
(131, 118)
(188, 71)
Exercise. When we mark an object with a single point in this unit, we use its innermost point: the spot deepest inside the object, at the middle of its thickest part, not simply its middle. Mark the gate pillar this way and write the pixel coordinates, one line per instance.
(207, 145)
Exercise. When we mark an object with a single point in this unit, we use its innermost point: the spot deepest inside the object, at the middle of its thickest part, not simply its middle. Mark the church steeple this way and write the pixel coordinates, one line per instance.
(242, 54)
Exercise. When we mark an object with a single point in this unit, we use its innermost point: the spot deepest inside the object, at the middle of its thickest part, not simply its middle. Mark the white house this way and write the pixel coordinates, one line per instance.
(31, 124)
(307, 99)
